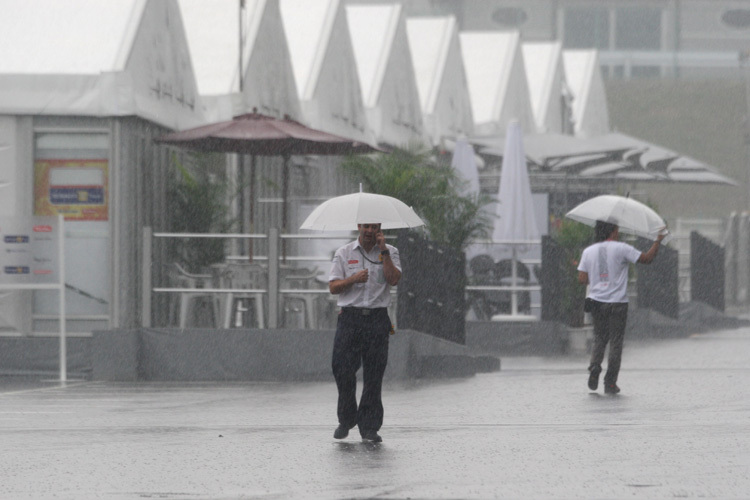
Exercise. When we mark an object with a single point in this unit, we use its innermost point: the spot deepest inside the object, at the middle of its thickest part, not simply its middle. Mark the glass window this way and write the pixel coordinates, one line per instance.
(586, 28)
(71, 172)
(638, 28)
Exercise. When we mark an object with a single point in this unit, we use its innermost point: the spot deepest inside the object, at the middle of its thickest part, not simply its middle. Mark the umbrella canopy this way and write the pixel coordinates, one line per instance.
(633, 217)
(261, 135)
(257, 134)
(343, 213)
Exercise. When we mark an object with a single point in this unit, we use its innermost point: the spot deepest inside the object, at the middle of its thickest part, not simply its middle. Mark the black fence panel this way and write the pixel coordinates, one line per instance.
(707, 275)
(658, 284)
(555, 283)
(431, 296)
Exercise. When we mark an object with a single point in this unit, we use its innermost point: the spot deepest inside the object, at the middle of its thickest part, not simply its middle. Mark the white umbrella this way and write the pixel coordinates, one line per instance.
(516, 222)
(633, 217)
(343, 213)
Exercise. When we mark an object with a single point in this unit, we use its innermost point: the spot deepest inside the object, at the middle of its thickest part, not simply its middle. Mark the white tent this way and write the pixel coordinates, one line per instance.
(213, 32)
(497, 81)
(94, 58)
(583, 74)
(324, 68)
(441, 79)
(548, 89)
(386, 73)
(464, 162)
(84, 86)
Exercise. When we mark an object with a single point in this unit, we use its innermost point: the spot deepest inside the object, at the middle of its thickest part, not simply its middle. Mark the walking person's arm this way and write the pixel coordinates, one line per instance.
(390, 271)
(339, 282)
(338, 286)
(650, 255)
(583, 277)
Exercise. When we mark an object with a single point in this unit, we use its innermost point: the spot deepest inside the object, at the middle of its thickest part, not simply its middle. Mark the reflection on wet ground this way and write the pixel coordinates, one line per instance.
(533, 430)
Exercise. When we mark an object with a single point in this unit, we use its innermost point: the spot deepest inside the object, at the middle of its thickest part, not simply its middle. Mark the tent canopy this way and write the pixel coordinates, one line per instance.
(267, 82)
(583, 74)
(43, 69)
(441, 78)
(614, 155)
(386, 74)
(497, 81)
(548, 89)
(325, 71)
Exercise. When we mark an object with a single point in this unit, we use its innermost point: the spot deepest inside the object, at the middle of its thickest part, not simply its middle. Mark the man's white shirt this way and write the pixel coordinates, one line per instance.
(607, 264)
(352, 258)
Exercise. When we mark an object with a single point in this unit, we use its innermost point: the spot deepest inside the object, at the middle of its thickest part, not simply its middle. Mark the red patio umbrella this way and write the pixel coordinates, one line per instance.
(261, 135)
(257, 134)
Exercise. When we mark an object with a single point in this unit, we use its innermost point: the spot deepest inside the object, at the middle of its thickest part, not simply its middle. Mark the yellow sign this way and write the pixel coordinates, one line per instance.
(75, 188)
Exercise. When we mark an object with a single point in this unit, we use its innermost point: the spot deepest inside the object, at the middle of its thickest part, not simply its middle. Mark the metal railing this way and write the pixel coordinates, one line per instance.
(514, 288)
(274, 292)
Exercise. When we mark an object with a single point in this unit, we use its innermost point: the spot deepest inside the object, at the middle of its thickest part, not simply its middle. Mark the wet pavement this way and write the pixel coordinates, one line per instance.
(679, 429)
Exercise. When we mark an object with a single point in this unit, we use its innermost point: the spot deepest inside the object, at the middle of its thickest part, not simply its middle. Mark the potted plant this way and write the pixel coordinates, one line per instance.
(198, 202)
(432, 189)
(572, 237)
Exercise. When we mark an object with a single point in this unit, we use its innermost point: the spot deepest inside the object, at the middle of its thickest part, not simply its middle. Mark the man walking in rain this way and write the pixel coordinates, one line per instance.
(604, 267)
(362, 274)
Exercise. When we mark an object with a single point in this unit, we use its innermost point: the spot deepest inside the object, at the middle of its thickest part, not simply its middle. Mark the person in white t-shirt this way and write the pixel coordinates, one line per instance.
(362, 274)
(604, 267)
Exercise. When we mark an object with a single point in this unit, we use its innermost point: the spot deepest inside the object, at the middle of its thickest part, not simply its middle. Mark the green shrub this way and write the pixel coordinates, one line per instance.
(198, 202)
(413, 176)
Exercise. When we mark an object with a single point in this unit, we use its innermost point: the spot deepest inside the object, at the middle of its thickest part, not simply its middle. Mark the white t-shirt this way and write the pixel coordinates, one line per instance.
(349, 260)
(607, 265)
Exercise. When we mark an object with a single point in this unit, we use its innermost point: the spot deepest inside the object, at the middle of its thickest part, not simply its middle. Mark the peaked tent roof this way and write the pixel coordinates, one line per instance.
(497, 81)
(583, 74)
(545, 75)
(386, 73)
(324, 68)
(138, 65)
(441, 77)
(267, 78)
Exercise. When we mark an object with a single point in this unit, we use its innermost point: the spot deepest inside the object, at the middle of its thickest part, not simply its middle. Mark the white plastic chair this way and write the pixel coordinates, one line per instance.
(303, 279)
(184, 279)
(248, 277)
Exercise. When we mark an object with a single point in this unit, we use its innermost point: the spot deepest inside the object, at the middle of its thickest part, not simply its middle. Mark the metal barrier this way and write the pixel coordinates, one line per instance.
(514, 288)
(274, 293)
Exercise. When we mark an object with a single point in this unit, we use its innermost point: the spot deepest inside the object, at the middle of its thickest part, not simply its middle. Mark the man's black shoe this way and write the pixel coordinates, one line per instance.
(341, 432)
(594, 376)
(611, 389)
(371, 436)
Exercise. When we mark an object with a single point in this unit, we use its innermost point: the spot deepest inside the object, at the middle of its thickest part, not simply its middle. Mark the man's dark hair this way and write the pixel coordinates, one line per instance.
(603, 230)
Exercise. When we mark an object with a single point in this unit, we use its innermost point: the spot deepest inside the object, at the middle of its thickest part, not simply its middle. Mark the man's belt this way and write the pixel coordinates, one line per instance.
(363, 311)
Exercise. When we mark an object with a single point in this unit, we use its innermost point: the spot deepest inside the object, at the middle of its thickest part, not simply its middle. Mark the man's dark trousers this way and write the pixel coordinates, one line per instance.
(361, 340)
(609, 327)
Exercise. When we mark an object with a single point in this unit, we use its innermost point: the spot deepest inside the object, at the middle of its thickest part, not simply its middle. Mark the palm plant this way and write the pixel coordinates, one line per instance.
(198, 203)
(432, 189)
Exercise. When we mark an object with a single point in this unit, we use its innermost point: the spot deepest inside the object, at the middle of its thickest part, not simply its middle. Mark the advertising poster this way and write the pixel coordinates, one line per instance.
(77, 189)
(28, 250)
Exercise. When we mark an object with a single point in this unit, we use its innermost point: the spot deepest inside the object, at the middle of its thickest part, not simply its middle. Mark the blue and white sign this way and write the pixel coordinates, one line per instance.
(29, 250)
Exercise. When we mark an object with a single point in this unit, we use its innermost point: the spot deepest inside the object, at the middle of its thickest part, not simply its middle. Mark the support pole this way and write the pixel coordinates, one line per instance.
(63, 326)
(514, 281)
(284, 203)
(146, 278)
(273, 278)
